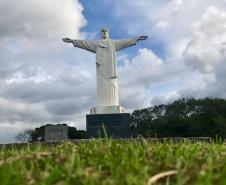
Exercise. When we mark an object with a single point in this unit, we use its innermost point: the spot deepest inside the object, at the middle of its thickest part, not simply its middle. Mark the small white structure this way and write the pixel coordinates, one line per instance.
(106, 69)
(56, 133)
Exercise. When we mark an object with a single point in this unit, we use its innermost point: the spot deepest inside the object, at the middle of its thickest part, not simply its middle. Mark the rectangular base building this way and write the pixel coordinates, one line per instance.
(116, 125)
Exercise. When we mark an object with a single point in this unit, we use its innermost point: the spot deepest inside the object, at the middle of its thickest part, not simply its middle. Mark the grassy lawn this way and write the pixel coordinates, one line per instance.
(114, 162)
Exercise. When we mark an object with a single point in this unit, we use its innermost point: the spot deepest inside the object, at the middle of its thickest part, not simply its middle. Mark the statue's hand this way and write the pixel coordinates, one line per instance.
(142, 38)
(67, 40)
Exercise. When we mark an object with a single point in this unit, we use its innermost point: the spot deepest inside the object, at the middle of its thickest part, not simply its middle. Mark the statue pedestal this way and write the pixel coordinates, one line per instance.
(107, 110)
(115, 125)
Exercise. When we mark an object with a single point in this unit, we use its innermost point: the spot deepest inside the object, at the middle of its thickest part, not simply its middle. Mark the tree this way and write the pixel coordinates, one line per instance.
(24, 136)
(186, 117)
(73, 133)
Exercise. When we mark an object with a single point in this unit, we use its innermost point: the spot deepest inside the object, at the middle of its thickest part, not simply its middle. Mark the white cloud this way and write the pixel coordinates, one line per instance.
(192, 34)
(41, 19)
(206, 50)
(141, 74)
(42, 79)
(165, 98)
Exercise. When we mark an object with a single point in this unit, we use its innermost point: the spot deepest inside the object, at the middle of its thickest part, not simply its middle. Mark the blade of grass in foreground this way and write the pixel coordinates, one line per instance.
(107, 161)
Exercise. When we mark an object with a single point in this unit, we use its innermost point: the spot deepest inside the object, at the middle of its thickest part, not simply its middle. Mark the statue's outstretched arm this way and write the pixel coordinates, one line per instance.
(83, 44)
(121, 44)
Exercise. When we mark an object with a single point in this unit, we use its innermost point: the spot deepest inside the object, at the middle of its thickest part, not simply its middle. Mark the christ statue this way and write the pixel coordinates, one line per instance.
(106, 69)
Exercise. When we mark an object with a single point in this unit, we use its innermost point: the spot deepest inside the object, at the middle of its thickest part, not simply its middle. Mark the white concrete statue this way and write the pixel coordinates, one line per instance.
(106, 69)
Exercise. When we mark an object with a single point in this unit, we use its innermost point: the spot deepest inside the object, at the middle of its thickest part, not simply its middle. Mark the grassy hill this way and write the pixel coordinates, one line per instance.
(107, 161)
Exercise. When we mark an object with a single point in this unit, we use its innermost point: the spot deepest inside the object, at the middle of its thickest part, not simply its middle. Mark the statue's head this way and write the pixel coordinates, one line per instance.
(104, 34)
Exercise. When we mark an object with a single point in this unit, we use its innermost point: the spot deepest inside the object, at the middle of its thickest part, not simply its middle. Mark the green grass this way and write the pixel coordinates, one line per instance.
(114, 162)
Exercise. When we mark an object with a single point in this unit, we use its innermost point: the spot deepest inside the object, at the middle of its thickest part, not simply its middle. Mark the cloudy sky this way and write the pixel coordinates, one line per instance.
(43, 80)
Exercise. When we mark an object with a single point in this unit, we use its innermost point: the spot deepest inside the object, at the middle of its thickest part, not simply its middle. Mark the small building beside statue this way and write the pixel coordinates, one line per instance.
(57, 132)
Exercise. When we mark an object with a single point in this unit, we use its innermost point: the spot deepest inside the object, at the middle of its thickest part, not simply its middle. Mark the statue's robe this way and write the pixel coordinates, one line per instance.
(106, 67)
